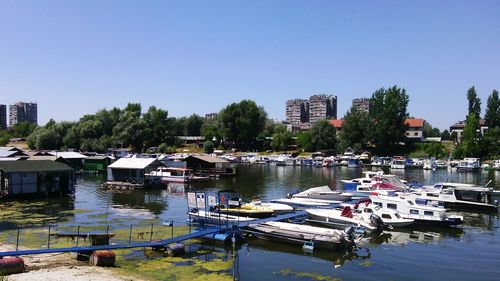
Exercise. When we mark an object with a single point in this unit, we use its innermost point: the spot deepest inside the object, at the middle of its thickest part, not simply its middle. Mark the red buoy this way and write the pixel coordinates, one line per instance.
(102, 258)
(11, 265)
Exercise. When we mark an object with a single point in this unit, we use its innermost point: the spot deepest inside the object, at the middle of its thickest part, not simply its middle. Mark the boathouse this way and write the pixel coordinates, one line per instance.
(98, 163)
(132, 170)
(75, 159)
(32, 178)
(209, 166)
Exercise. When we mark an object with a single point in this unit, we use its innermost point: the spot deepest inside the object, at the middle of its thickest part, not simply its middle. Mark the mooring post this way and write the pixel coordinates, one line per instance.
(151, 234)
(17, 240)
(130, 234)
(77, 235)
(48, 239)
(172, 225)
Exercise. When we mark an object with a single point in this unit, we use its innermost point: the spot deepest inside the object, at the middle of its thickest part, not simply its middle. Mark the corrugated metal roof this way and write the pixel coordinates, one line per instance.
(7, 153)
(34, 166)
(44, 157)
(133, 163)
(68, 155)
(209, 159)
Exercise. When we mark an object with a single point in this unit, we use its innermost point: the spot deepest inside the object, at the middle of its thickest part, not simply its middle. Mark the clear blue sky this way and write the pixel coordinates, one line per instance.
(75, 57)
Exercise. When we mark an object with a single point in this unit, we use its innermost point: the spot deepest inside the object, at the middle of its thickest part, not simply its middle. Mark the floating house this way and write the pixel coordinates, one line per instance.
(75, 159)
(132, 173)
(98, 163)
(36, 178)
(206, 165)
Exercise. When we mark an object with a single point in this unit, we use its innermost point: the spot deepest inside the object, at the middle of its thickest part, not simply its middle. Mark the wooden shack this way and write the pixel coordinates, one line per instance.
(36, 178)
(206, 165)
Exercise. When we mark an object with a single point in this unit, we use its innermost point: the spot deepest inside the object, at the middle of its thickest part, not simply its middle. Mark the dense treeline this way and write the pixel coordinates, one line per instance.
(127, 127)
(245, 126)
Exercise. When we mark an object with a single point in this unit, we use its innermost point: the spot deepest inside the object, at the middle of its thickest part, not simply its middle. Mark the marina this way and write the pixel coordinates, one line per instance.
(96, 207)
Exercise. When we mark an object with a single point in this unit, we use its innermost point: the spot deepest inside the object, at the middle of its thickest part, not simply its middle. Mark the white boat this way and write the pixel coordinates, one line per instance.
(419, 210)
(382, 183)
(311, 236)
(304, 202)
(429, 164)
(324, 193)
(172, 174)
(354, 163)
(440, 164)
(469, 164)
(496, 165)
(453, 165)
(341, 219)
(367, 179)
(398, 164)
(277, 208)
(460, 195)
(390, 217)
(215, 217)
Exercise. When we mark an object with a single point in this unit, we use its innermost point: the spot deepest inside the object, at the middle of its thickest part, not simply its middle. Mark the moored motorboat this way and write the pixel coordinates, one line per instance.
(277, 208)
(390, 217)
(409, 206)
(216, 217)
(461, 195)
(305, 202)
(320, 237)
(323, 193)
(341, 219)
(254, 211)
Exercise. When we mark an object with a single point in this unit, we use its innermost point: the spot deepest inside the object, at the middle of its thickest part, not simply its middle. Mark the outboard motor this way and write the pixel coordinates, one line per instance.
(377, 222)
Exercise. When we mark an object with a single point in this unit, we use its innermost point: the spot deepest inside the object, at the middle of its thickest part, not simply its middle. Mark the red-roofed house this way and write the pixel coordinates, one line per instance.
(337, 124)
(415, 129)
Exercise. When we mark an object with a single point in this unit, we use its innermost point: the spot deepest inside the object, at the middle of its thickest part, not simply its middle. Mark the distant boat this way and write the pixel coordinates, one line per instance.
(469, 164)
(398, 164)
(354, 163)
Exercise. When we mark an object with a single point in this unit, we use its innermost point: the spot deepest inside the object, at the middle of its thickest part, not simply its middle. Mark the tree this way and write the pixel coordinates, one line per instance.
(22, 129)
(212, 132)
(474, 102)
(156, 126)
(470, 137)
(387, 118)
(193, 125)
(492, 115)
(281, 138)
(445, 135)
(208, 147)
(430, 131)
(304, 141)
(354, 131)
(4, 137)
(323, 136)
(242, 122)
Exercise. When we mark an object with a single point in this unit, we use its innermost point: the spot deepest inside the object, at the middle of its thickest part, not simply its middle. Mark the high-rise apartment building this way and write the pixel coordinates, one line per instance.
(3, 117)
(23, 112)
(322, 107)
(361, 104)
(297, 111)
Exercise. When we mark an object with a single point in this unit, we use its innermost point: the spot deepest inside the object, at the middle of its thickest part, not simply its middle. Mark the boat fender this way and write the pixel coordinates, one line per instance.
(377, 221)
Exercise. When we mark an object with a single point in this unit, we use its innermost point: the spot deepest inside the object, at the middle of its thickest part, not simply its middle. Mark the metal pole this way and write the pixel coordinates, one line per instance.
(17, 240)
(151, 234)
(172, 225)
(77, 235)
(130, 234)
(48, 239)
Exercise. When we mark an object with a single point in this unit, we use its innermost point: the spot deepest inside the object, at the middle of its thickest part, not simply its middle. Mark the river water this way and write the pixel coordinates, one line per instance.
(470, 251)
